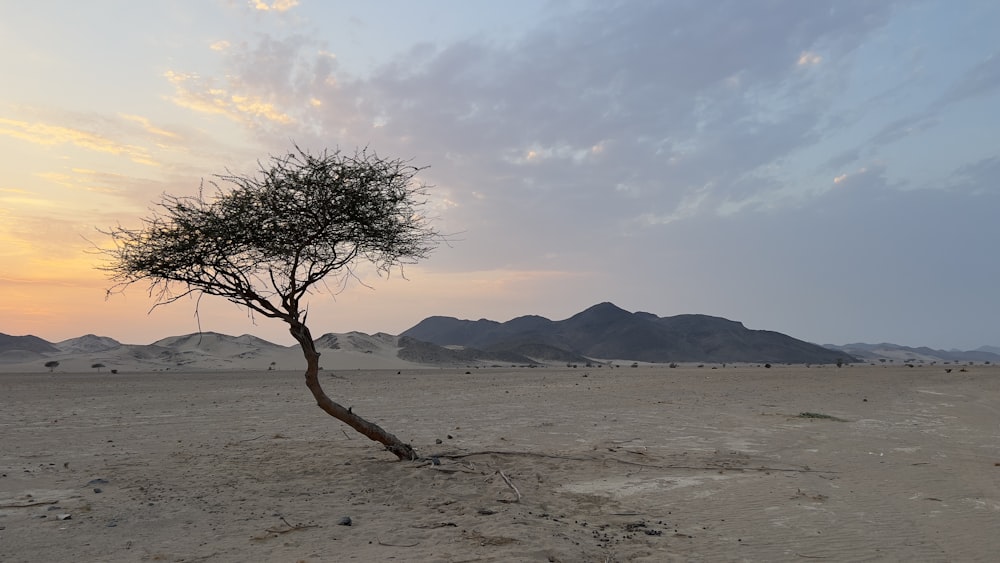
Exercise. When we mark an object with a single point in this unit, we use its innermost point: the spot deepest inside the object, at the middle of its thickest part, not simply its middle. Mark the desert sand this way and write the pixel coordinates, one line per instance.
(626, 464)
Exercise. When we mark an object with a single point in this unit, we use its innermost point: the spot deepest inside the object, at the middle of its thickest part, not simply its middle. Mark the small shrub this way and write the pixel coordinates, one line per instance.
(820, 416)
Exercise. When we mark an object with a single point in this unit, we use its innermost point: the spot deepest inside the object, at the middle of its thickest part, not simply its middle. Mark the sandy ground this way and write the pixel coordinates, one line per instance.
(629, 464)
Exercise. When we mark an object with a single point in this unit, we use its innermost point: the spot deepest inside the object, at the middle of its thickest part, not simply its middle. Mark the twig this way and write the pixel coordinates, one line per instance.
(414, 544)
(346, 434)
(28, 504)
(436, 525)
(503, 452)
(626, 462)
(509, 484)
(292, 528)
(452, 469)
(252, 439)
(722, 467)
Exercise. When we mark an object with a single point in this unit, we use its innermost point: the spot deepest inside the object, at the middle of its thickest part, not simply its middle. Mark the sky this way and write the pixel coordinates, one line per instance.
(825, 169)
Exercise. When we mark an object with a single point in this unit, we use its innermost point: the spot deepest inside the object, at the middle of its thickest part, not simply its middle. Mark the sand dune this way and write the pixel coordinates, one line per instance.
(208, 351)
(629, 464)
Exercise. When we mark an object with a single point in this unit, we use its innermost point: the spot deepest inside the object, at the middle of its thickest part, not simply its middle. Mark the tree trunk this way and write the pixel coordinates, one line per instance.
(302, 335)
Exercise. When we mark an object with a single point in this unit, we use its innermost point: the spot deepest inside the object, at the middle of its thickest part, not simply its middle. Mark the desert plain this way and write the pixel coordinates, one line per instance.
(651, 463)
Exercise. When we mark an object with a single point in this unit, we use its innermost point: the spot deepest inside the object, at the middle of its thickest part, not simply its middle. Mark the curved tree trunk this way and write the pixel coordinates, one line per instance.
(302, 335)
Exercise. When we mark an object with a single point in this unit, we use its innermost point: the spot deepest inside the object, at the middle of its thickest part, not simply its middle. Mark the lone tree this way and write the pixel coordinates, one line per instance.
(267, 241)
(52, 365)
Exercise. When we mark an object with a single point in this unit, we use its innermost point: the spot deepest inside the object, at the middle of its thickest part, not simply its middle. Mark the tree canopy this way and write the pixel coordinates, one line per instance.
(267, 240)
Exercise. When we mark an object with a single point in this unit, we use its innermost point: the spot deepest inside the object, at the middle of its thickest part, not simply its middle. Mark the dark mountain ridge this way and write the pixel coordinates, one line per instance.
(606, 331)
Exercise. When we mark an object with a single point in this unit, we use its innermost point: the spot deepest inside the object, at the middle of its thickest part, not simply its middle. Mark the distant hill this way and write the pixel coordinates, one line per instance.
(21, 349)
(27, 343)
(211, 341)
(896, 352)
(209, 351)
(88, 343)
(420, 352)
(606, 331)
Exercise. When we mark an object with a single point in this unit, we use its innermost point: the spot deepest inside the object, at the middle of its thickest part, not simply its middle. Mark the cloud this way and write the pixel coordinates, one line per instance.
(201, 95)
(276, 5)
(275, 85)
(905, 127)
(980, 80)
(620, 115)
(661, 99)
(149, 127)
(49, 134)
(860, 176)
(808, 58)
(844, 158)
(977, 178)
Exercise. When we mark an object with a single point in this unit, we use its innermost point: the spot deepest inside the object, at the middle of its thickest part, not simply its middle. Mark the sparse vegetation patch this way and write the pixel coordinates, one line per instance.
(820, 416)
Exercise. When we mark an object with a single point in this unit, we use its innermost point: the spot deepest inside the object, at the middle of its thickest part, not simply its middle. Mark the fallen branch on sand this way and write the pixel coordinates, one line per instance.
(509, 484)
(503, 452)
(626, 462)
(28, 504)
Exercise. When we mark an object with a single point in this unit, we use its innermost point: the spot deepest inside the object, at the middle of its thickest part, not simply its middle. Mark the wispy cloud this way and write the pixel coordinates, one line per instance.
(49, 134)
(809, 58)
(981, 79)
(149, 127)
(276, 5)
(198, 94)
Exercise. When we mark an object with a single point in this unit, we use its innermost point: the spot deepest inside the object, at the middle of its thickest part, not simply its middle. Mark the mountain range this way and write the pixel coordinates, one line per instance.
(600, 333)
(606, 331)
(923, 354)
